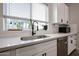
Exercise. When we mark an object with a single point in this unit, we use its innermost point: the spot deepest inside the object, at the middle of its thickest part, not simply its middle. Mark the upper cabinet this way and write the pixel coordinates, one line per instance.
(58, 13)
(66, 14)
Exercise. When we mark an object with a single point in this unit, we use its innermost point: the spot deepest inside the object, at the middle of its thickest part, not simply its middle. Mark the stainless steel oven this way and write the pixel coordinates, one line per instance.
(64, 29)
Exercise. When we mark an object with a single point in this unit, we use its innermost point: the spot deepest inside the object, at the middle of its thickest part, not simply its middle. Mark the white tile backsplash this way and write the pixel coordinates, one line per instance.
(74, 28)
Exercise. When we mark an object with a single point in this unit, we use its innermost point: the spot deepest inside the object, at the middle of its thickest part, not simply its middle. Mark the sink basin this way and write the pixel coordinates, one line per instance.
(34, 37)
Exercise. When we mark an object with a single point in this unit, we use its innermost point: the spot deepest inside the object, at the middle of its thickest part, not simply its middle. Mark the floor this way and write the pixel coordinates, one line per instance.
(75, 53)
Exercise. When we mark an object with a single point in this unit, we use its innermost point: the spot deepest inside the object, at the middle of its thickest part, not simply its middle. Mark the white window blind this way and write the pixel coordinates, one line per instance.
(39, 12)
(17, 16)
(17, 10)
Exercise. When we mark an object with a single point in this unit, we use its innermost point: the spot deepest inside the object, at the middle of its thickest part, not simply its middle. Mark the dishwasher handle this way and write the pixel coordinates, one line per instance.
(65, 42)
(60, 39)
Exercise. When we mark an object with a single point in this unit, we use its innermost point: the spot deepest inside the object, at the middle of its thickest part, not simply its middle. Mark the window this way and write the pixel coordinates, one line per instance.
(17, 24)
(17, 10)
(39, 12)
(17, 15)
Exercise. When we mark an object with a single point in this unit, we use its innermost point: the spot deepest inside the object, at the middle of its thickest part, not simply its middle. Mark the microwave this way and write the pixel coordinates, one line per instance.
(64, 29)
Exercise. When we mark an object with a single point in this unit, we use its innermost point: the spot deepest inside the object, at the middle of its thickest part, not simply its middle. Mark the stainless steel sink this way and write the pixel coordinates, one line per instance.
(33, 37)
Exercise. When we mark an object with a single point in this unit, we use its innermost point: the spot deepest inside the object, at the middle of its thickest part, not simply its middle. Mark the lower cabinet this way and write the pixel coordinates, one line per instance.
(71, 43)
(8, 53)
(43, 49)
(61, 46)
(49, 52)
(52, 52)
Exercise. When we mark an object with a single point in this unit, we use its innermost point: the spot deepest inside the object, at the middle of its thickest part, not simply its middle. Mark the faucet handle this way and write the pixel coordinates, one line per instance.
(45, 27)
(37, 28)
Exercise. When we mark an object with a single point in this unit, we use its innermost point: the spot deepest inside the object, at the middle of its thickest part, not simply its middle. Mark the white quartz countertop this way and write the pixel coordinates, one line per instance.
(15, 42)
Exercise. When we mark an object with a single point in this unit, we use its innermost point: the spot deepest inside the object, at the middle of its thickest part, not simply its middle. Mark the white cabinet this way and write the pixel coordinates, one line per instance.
(71, 43)
(62, 13)
(8, 53)
(49, 52)
(66, 18)
(39, 49)
(59, 13)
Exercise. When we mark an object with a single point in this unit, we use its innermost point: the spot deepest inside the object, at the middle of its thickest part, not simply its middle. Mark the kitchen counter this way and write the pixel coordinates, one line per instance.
(15, 42)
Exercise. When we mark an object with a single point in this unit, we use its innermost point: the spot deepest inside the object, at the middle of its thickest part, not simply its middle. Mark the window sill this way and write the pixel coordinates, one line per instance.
(14, 29)
(18, 30)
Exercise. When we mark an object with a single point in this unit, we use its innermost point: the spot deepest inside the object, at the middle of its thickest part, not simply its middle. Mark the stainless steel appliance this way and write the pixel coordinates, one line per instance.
(62, 46)
(64, 28)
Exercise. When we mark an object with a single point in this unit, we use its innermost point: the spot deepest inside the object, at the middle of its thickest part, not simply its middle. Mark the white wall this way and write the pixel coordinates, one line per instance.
(74, 16)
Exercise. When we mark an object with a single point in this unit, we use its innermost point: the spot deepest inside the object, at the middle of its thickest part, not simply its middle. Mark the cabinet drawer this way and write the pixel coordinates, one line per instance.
(7, 53)
(34, 49)
(48, 52)
(47, 45)
(26, 51)
(52, 51)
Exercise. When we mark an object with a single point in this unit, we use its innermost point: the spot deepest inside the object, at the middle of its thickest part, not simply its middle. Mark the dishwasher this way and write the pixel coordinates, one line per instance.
(62, 46)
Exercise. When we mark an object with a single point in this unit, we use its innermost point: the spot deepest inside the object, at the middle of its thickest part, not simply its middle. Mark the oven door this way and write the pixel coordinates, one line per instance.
(62, 29)
(67, 29)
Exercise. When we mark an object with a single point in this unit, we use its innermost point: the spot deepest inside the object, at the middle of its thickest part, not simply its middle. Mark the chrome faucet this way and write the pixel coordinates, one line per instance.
(33, 31)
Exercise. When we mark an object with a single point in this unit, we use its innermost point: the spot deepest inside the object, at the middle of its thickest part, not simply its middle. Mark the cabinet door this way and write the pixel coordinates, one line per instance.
(66, 14)
(60, 12)
(74, 41)
(71, 43)
(7, 53)
(27, 51)
(41, 54)
(49, 52)
(35, 49)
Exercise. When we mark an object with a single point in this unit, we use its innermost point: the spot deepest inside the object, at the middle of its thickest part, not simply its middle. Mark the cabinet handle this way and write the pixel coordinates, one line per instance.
(67, 22)
(61, 20)
(45, 54)
(60, 39)
(71, 41)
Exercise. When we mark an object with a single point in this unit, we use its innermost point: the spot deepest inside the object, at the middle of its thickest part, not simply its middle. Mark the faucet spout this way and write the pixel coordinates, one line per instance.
(33, 30)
